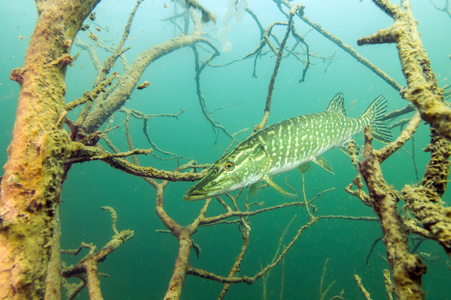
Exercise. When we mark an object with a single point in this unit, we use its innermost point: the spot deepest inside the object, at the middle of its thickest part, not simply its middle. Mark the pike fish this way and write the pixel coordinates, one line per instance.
(288, 144)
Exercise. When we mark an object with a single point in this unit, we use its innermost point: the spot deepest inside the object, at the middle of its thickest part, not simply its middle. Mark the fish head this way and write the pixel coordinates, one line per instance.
(243, 166)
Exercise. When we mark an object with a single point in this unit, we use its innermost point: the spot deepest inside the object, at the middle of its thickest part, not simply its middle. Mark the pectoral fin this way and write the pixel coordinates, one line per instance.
(324, 163)
(255, 188)
(278, 188)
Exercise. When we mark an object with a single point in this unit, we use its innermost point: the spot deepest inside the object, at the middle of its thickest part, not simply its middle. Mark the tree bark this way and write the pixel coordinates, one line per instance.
(31, 185)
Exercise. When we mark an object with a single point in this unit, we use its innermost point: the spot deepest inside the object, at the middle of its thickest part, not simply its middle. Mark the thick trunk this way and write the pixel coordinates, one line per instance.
(31, 184)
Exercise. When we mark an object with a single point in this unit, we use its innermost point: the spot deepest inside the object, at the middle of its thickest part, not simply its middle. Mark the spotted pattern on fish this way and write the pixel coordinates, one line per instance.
(297, 140)
(287, 144)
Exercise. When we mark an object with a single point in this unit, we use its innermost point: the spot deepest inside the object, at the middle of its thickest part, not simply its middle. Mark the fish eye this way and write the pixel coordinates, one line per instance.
(229, 166)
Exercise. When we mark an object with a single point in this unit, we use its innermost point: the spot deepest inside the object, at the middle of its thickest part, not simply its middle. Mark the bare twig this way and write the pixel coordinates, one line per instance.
(86, 269)
(365, 293)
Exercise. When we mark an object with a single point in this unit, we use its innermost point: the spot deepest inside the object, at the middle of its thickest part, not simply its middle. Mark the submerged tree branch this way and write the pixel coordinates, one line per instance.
(86, 269)
(81, 153)
(407, 268)
(423, 90)
(31, 185)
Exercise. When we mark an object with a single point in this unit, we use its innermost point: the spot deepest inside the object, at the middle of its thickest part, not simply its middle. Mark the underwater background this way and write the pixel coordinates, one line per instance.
(141, 268)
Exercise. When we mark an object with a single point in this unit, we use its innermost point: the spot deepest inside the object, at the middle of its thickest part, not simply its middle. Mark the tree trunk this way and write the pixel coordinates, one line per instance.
(31, 185)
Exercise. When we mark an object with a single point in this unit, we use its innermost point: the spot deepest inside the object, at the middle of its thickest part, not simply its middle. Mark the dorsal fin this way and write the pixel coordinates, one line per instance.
(337, 104)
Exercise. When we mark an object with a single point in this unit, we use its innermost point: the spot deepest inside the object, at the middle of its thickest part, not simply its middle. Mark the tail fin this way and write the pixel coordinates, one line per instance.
(375, 112)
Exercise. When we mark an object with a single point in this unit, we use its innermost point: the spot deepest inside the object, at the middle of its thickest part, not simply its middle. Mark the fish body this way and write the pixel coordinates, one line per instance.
(286, 145)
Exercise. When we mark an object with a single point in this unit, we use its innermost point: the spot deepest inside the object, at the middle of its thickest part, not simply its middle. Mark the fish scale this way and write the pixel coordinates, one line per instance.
(286, 145)
(320, 132)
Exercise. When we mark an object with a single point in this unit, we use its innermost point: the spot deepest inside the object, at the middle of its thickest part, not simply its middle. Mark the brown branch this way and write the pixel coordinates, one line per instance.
(239, 259)
(350, 218)
(139, 115)
(92, 54)
(198, 67)
(147, 135)
(276, 70)
(229, 214)
(301, 39)
(405, 135)
(437, 170)
(407, 268)
(92, 248)
(264, 39)
(206, 14)
(128, 81)
(445, 8)
(427, 207)
(423, 90)
(88, 265)
(91, 96)
(81, 153)
(183, 235)
(412, 226)
(423, 201)
(322, 292)
(246, 279)
(396, 113)
(31, 185)
(249, 280)
(357, 181)
(399, 123)
(181, 265)
(347, 49)
(365, 293)
(265, 35)
(111, 60)
(388, 284)
(282, 279)
(280, 246)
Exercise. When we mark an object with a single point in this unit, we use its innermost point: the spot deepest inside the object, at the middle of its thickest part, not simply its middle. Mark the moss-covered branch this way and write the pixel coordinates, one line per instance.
(82, 153)
(422, 88)
(31, 185)
(407, 268)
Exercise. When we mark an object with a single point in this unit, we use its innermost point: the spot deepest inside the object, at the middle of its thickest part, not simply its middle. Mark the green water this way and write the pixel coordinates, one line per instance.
(142, 267)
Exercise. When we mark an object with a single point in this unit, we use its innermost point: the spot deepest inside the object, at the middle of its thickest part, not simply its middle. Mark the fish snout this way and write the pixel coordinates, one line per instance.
(209, 188)
(194, 193)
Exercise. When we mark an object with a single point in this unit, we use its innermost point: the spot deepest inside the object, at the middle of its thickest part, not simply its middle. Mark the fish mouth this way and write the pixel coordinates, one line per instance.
(200, 191)
(197, 196)
(213, 184)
